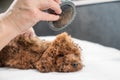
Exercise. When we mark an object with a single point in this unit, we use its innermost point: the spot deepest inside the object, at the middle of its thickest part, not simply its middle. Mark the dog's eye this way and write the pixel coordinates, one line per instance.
(60, 55)
(74, 65)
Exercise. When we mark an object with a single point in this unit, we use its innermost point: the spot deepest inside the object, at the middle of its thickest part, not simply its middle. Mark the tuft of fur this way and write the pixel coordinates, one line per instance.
(59, 55)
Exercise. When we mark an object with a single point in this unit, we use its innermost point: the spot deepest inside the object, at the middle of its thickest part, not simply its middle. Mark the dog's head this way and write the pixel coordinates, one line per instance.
(68, 55)
(68, 62)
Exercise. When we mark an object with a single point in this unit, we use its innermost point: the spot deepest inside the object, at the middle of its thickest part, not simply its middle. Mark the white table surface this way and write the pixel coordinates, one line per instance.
(101, 63)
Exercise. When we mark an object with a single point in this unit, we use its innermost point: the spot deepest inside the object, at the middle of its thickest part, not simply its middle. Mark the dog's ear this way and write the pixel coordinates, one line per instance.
(46, 63)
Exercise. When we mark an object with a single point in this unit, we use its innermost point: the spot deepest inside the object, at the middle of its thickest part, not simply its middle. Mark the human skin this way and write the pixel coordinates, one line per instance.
(22, 15)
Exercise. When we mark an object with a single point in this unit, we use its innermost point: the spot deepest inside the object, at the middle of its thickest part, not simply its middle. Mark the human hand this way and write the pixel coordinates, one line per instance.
(23, 14)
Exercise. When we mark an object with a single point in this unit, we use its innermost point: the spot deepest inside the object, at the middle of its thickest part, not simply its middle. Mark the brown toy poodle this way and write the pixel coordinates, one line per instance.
(59, 55)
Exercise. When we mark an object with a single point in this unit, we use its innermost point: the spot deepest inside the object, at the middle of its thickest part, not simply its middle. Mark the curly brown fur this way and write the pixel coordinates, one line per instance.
(22, 52)
(60, 55)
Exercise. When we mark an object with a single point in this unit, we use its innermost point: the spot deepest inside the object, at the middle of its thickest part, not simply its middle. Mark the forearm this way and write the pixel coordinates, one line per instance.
(7, 33)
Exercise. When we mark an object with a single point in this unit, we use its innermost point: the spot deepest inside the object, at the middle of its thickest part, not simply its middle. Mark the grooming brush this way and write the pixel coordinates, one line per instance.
(66, 17)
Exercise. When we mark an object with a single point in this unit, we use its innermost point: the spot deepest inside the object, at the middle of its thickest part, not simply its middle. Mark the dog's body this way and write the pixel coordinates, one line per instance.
(60, 55)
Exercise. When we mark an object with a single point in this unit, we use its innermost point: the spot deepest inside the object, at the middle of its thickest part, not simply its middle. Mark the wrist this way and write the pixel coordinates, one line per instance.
(7, 27)
(7, 33)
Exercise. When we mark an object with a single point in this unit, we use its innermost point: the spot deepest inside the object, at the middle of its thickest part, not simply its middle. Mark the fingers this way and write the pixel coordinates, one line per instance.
(48, 17)
(55, 6)
(50, 4)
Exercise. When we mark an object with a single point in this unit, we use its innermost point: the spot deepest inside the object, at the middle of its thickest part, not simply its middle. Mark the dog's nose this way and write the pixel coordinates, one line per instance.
(74, 65)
